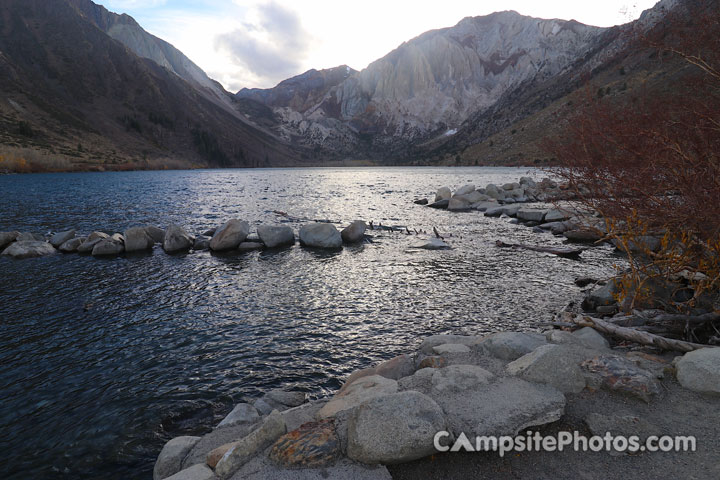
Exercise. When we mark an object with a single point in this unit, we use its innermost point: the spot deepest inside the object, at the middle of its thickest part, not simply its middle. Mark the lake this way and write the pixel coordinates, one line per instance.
(102, 361)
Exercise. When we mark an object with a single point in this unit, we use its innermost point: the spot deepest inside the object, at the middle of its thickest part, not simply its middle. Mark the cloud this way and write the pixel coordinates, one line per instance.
(270, 47)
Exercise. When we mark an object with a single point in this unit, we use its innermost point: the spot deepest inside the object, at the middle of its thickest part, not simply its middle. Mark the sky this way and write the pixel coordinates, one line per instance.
(256, 43)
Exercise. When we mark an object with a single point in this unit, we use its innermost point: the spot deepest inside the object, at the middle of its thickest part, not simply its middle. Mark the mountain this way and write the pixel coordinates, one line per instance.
(83, 84)
(71, 90)
(438, 97)
(127, 31)
(429, 85)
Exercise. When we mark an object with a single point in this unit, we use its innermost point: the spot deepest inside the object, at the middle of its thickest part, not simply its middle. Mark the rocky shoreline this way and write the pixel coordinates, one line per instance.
(502, 384)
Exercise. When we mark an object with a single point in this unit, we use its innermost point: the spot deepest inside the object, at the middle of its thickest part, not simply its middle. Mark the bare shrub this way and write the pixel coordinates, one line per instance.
(651, 167)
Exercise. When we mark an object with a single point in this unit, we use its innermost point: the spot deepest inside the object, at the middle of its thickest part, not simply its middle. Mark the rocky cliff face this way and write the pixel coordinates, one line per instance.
(431, 84)
(127, 31)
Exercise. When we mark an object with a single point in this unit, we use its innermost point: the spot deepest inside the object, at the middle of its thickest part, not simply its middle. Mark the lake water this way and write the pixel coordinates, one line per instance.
(102, 361)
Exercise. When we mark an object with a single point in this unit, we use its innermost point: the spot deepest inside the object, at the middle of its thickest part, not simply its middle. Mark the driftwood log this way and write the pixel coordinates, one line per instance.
(637, 336)
(565, 252)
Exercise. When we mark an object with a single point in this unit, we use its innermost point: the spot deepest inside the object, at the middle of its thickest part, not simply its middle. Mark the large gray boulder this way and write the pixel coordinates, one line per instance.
(443, 193)
(30, 237)
(276, 236)
(157, 234)
(72, 245)
(601, 296)
(6, 238)
(493, 191)
(556, 215)
(354, 232)
(458, 378)
(244, 449)
(464, 190)
(137, 239)
(505, 406)
(230, 235)
(61, 237)
(459, 203)
(108, 248)
(591, 338)
(29, 249)
(92, 240)
(320, 235)
(242, 413)
(394, 428)
(279, 400)
(700, 370)
(169, 462)
(555, 365)
(358, 392)
(512, 345)
(429, 343)
(196, 472)
(529, 215)
(176, 239)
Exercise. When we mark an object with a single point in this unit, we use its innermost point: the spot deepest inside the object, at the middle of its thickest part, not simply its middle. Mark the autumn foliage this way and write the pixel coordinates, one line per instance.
(649, 163)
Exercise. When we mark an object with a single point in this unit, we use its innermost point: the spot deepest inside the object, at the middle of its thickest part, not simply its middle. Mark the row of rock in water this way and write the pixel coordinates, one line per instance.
(525, 191)
(496, 385)
(509, 200)
(232, 235)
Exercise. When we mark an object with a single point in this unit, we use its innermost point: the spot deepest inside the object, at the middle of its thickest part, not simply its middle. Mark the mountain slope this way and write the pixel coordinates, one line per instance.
(430, 85)
(69, 88)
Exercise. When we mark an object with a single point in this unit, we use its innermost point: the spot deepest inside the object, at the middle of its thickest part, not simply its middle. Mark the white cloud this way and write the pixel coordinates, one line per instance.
(270, 46)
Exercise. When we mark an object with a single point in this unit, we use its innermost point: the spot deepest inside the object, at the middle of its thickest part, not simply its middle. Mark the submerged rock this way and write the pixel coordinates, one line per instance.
(230, 235)
(29, 249)
(276, 236)
(320, 235)
(433, 244)
(201, 243)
